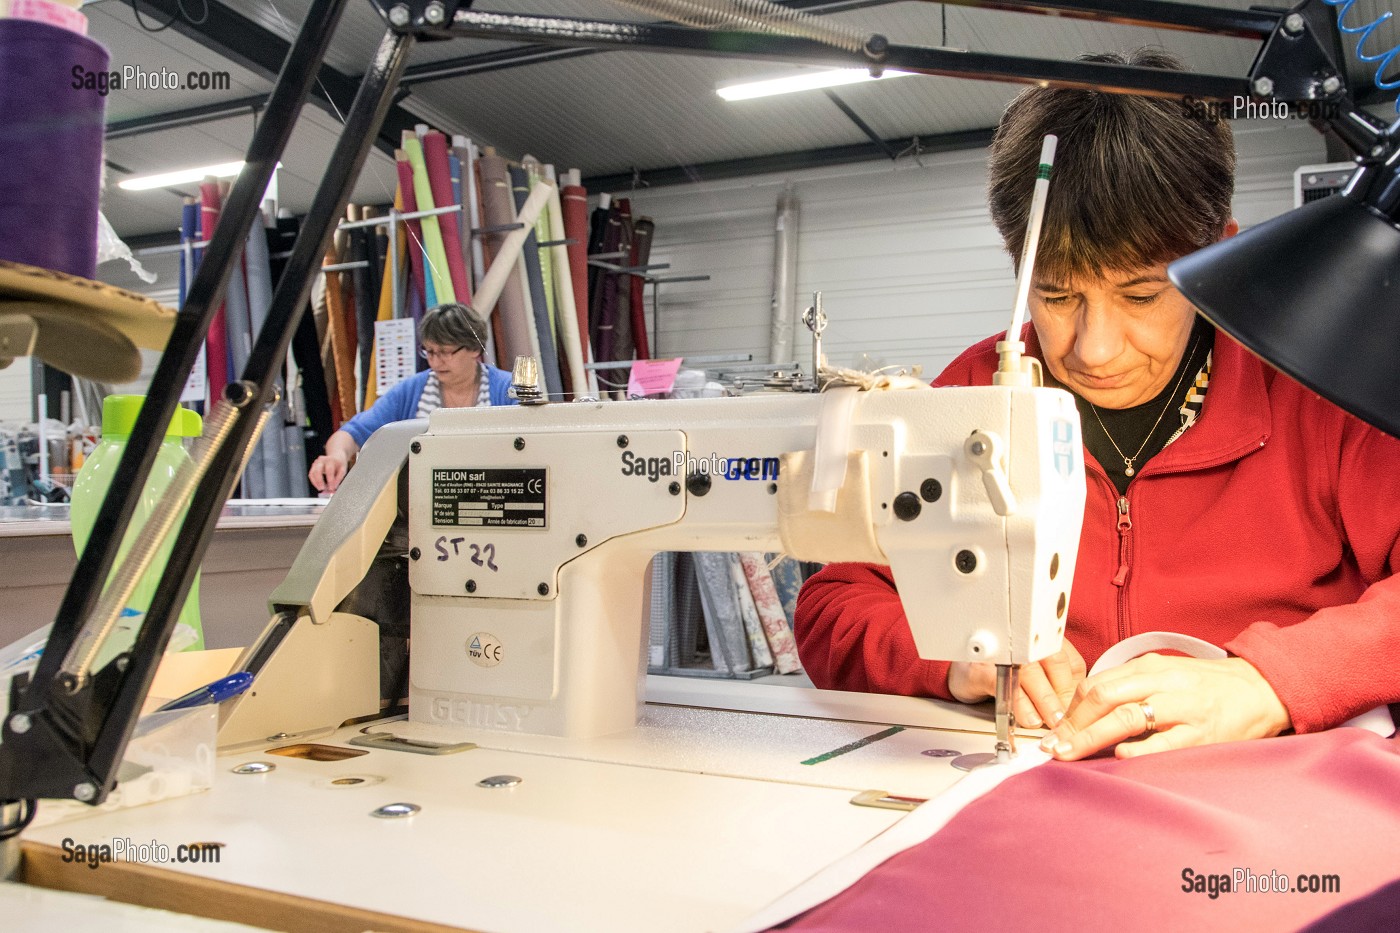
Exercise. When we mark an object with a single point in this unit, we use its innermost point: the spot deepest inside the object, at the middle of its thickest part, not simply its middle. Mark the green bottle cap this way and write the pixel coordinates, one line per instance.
(119, 417)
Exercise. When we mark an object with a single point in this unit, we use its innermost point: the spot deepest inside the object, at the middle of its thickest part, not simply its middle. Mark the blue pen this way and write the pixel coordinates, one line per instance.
(220, 690)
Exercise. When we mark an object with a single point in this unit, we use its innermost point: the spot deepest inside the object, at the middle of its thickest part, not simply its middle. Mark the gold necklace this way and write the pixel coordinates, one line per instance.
(1128, 461)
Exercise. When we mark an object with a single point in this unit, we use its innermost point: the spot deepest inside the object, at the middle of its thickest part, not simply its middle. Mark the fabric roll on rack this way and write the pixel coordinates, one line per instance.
(622, 348)
(770, 613)
(414, 227)
(545, 255)
(534, 278)
(436, 270)
(503, 268)
(498, 211)
(574, 198)
(753, 625)
(471, 190)
(564, 297)
(602, 317)
(216, 342)
(642, 230)
(342, 343)
(271, 450)
(359, 277)
(440, 181)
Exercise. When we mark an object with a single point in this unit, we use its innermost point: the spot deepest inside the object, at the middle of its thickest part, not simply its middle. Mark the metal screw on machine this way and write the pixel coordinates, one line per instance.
(416, 447)
(254, 767)
(977, 448)
(1331, 84)
(1264, 87)
(499, 780)
(543, 589)
(698, 483)
(414, 553)
(84, 792)
(471, 586)
(931, 490)
(674, 489)
(1293, 24)
(435, 13)
(965, 561)
(907, 506)
(581, 540)
(622, 440)
(20, 723)
(394, 811)
(815, 319)
(399, 15)
(520, 443)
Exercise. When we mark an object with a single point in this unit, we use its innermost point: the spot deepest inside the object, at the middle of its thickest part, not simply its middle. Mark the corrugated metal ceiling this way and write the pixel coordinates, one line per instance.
(603, 113)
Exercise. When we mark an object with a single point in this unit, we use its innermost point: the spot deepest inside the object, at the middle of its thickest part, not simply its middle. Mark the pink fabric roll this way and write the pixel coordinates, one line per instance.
(770, 613)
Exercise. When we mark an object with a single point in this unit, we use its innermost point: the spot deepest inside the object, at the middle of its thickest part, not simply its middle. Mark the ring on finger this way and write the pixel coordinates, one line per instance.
(1149, 717)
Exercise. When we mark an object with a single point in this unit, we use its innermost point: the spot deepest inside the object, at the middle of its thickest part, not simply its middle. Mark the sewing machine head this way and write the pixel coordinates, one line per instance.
(533, 530)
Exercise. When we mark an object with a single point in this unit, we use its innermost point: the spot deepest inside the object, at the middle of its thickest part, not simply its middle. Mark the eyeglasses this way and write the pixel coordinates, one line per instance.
(428, 354)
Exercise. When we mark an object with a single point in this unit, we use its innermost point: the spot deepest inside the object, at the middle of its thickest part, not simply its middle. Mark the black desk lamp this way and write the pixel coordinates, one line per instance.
(1316, 291)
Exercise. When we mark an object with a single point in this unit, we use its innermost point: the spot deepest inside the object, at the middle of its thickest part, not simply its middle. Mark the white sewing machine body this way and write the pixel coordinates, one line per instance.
(533, 527)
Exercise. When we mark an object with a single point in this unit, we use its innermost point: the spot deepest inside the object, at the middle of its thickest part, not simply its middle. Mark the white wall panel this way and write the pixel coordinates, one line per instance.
(909, 264)
(15, 398)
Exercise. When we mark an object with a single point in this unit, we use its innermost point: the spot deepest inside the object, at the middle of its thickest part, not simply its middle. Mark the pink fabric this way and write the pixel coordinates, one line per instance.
(770, 613)
(1271, 528)
(1103, 845)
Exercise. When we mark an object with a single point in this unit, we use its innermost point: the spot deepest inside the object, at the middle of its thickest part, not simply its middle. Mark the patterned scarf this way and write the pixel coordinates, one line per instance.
(431, 399)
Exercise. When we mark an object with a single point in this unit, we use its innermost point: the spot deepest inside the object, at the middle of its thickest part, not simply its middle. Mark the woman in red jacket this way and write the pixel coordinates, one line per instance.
(1224, 500)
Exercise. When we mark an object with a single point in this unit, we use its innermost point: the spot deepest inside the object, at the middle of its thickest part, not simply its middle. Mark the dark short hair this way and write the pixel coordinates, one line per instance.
(1137, 180)
(453, 325)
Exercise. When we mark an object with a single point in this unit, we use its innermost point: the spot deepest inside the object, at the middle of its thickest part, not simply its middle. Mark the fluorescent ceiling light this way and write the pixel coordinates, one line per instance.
(169, 179)
(804, 81)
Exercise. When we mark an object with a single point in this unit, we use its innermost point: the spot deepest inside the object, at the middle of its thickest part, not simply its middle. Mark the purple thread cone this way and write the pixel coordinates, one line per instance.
(50, 147)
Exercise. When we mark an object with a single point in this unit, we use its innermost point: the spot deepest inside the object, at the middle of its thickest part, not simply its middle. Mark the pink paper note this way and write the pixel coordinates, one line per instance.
(652, 377)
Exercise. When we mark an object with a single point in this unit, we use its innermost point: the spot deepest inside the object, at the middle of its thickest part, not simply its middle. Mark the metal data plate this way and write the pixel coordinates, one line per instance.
(495, 513)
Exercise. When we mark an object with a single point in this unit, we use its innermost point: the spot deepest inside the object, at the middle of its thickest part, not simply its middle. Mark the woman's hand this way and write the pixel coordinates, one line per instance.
(1046, 687)
(1154, 703)
(327, 471)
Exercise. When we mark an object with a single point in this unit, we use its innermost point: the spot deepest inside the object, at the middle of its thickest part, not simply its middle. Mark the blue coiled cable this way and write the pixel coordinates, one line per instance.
(1384, 59)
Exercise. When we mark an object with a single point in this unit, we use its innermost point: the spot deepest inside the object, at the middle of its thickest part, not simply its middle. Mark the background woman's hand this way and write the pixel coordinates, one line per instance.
(327, 472)
(1046, 688)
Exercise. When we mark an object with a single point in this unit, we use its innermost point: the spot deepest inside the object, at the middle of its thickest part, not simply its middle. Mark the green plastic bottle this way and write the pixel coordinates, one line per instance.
(90, 488)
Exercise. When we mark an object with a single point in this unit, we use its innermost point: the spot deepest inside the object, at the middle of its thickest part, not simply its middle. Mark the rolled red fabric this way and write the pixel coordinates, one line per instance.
(216, 343)
(575, 201)
(440, 180)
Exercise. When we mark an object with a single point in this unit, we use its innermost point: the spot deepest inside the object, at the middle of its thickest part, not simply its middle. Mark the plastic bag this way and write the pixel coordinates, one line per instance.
(110, 246)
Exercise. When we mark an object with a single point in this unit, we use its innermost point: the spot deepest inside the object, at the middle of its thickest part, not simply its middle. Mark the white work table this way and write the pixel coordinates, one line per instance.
(692, 821)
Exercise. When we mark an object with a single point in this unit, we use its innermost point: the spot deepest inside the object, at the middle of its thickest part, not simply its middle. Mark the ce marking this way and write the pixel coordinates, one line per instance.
(534, 486)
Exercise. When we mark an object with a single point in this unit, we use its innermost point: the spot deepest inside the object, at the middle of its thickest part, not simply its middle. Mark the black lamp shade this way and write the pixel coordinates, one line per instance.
(1316, 293)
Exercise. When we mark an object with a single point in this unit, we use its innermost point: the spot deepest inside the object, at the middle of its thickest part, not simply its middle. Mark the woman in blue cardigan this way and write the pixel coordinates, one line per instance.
(452, 340)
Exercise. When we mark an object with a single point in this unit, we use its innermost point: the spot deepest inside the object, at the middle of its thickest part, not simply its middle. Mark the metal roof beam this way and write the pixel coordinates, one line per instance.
(240, 40)
(190, 116)
(791, 161)
(522, 55)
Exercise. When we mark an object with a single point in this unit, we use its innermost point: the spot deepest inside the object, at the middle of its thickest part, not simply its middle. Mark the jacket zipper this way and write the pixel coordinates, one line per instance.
(1120, 579)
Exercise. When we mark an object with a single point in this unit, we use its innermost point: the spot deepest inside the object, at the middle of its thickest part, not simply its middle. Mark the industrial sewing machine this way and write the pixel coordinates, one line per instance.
(531, 529)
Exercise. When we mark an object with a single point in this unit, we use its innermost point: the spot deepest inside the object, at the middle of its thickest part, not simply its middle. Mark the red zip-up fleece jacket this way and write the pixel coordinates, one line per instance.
(1270, 528)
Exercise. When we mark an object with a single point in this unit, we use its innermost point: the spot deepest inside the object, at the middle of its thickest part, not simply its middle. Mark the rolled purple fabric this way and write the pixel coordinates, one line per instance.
(53, 86)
